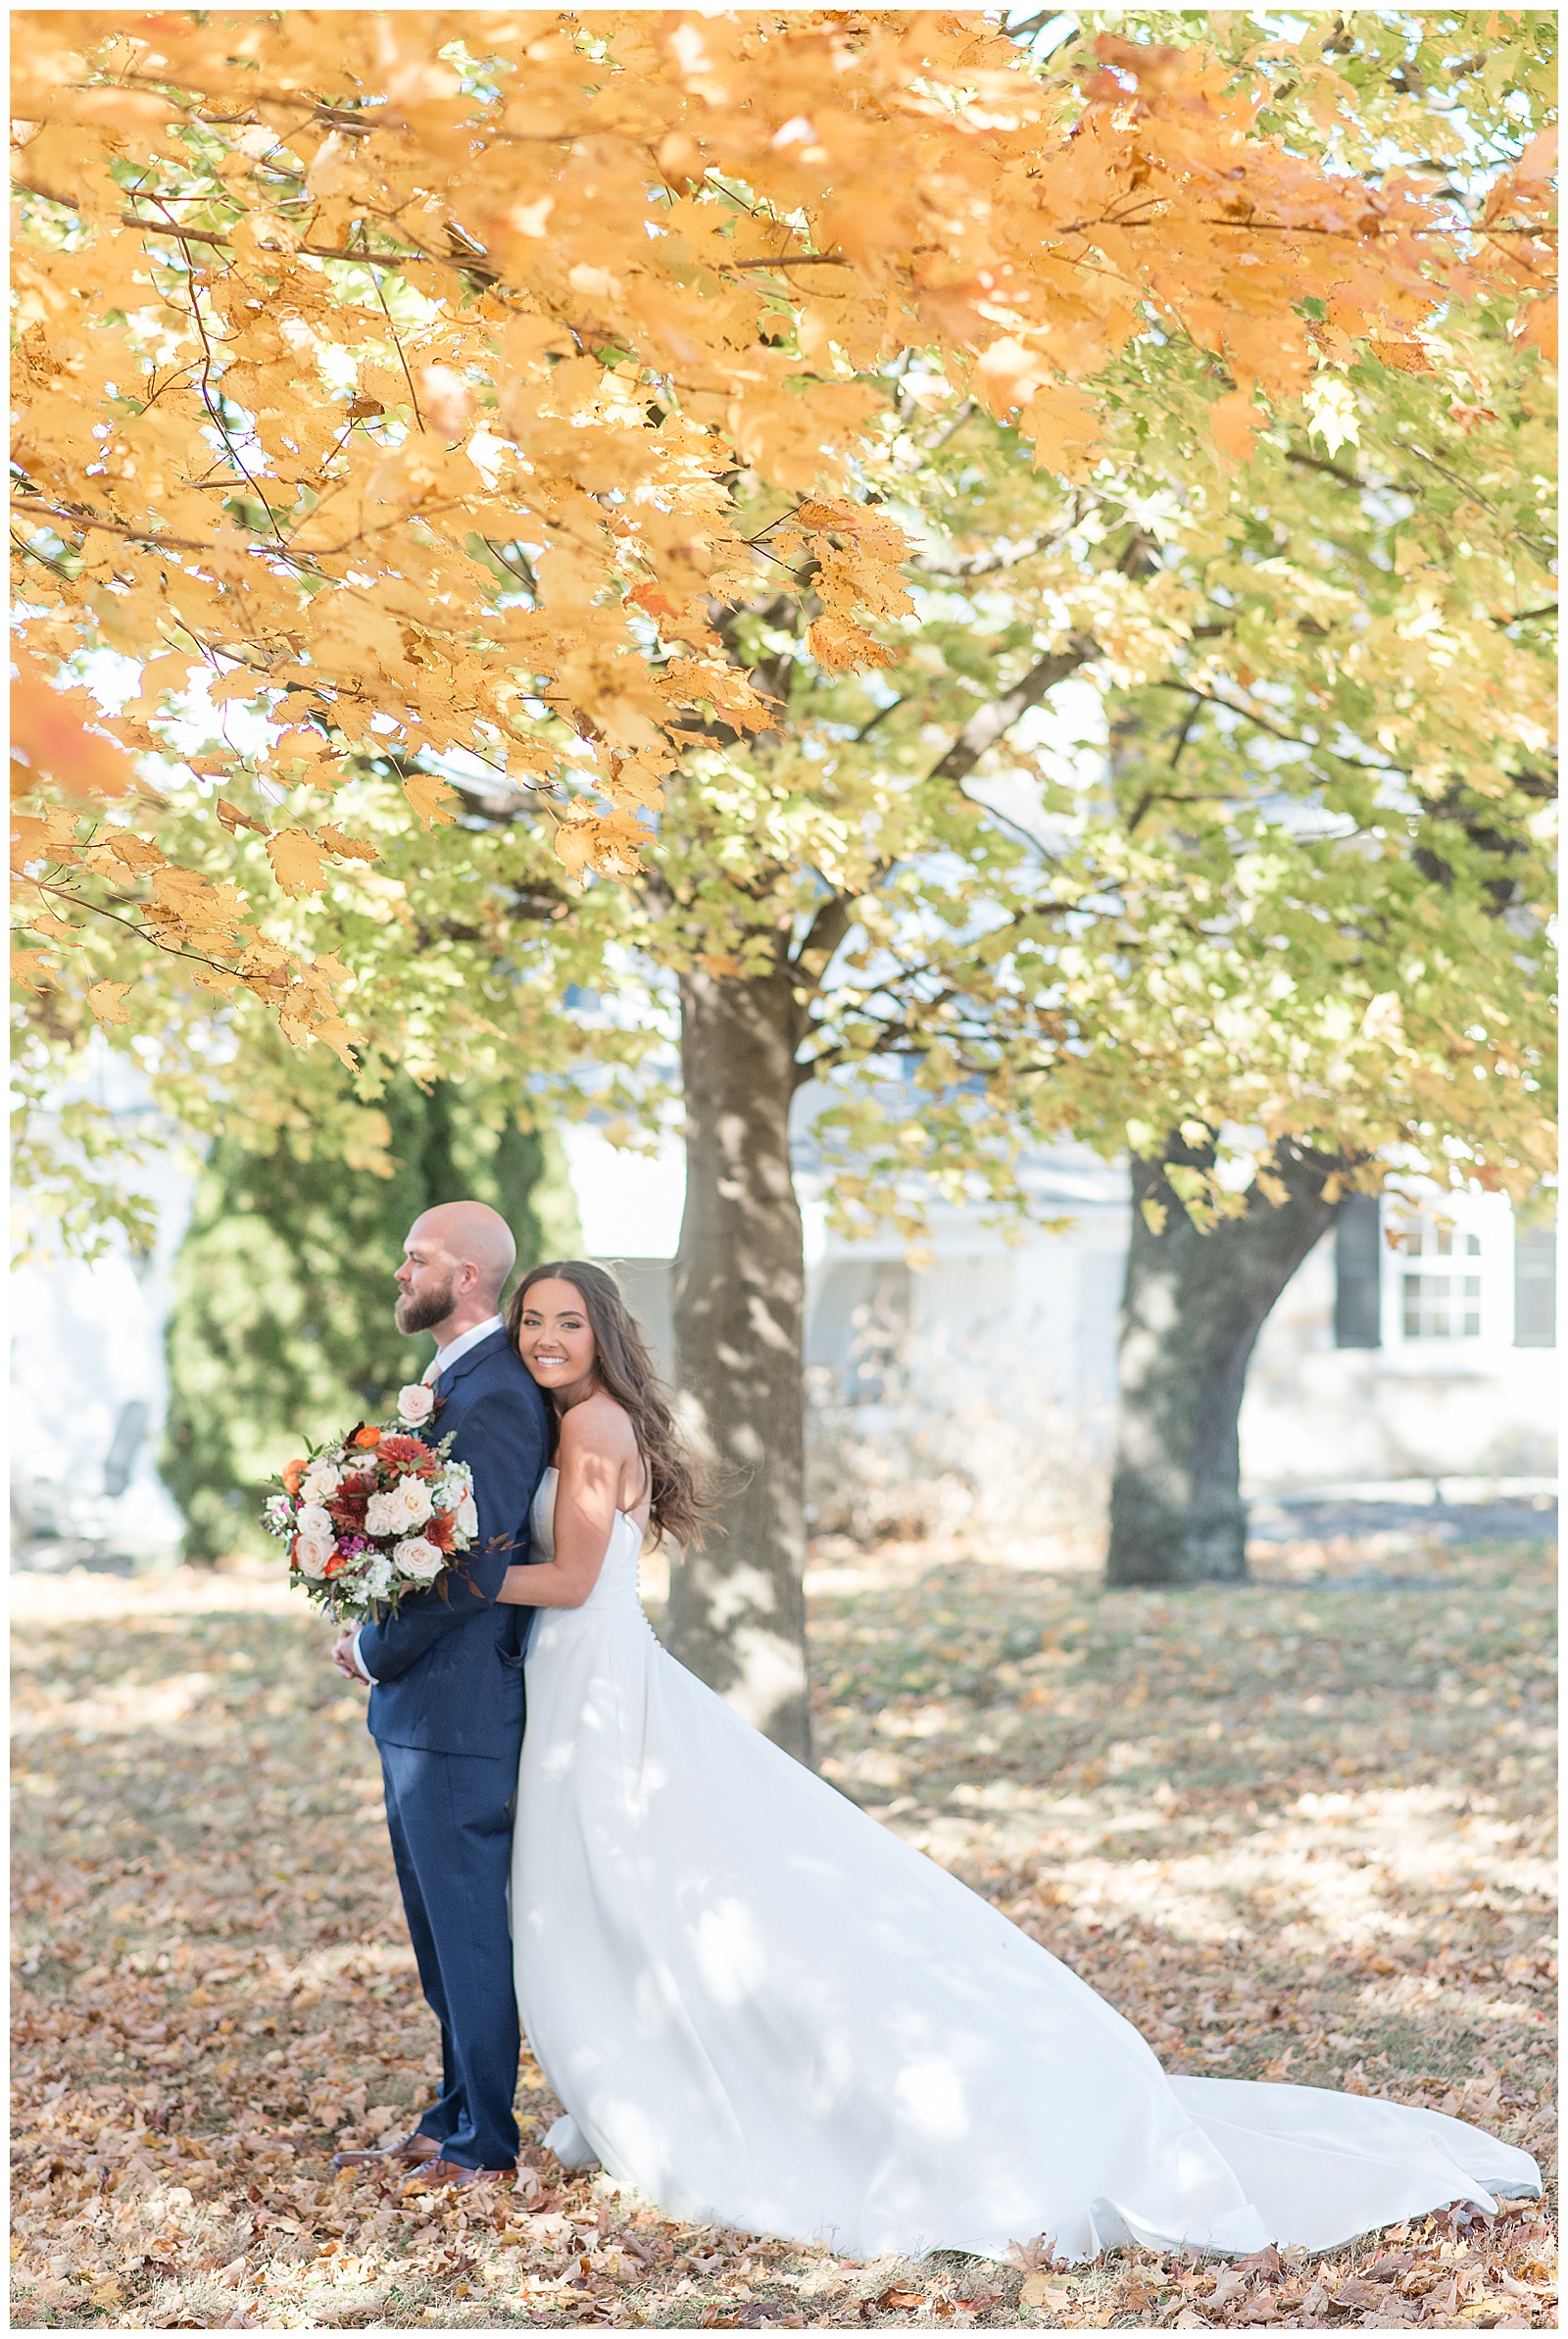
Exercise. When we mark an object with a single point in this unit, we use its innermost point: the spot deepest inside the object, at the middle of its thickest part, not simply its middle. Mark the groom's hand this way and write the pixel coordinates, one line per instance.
(343, 1657)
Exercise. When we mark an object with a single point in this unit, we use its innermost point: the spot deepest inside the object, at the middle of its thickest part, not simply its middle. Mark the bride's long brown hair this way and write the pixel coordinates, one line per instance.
(623, 1365)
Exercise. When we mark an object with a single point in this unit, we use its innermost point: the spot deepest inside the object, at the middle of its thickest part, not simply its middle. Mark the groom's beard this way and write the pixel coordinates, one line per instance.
(416, 1312)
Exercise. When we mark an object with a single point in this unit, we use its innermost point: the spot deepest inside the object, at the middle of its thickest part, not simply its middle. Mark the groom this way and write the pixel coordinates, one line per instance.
(446, 1700)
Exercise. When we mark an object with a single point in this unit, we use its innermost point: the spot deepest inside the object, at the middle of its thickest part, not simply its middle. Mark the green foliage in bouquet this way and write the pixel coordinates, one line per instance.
(282, 1323)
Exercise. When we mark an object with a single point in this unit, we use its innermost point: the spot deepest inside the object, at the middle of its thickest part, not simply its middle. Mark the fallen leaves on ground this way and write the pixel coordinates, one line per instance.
(1294, 1831)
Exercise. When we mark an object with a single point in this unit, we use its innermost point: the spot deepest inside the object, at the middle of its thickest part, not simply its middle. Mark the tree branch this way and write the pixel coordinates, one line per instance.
(787, 260)
(987, 563)
(950, 430)
(215, 413)
(142, 933)
(1290, 738)
(1320, 463)
(215, 236)
(475, 263)
(881, 715)
(397, 346)
(983, 729)
(825, 932)
(282, 550)
(111, 527)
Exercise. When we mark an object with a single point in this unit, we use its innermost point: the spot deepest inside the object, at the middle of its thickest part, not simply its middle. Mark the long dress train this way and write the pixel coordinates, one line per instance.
(768, 2012)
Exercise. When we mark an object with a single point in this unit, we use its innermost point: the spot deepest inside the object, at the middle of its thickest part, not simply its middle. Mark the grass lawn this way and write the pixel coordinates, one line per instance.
(1298, 1829)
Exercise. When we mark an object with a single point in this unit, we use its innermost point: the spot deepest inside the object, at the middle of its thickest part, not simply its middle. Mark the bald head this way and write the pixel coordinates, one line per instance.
(471, 1234)
(456, 1261)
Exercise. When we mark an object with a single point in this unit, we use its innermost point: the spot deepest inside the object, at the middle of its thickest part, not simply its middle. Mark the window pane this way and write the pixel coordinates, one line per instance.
(1417, 1325)
(1440, 1307)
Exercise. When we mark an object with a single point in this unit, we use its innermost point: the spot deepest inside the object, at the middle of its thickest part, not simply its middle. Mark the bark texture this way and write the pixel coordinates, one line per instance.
(737, 1610)
(1195, 1304)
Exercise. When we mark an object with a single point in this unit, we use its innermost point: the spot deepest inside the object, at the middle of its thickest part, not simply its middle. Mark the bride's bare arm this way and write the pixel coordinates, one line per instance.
(591, 1460)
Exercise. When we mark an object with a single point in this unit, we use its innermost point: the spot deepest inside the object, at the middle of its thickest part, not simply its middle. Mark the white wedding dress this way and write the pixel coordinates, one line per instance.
(766, 2012)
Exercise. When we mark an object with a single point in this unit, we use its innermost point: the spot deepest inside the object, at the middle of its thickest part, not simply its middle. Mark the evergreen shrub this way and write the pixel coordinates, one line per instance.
(282, 1329)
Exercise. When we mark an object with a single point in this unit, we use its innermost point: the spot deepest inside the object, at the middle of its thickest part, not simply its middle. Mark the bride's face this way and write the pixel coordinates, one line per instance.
(554, 1339)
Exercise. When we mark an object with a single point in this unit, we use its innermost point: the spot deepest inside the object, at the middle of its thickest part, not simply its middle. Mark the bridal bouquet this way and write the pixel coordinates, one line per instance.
(374, 1514)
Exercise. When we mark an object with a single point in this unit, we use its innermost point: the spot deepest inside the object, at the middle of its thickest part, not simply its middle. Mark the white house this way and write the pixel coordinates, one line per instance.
(1419, 1350)
(1403, 1348)
(1409, 1347)
(88, 1391)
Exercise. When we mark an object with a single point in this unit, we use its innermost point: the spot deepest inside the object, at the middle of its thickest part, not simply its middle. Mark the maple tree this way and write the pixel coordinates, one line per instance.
(310, 381)
(1301, 909)
(700, 472)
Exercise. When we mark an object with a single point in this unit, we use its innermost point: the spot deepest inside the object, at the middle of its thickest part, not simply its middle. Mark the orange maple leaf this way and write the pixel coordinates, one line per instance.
(51, 729)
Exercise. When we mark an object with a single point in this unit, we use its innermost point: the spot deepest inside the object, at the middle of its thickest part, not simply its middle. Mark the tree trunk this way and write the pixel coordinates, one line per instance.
(1195, 1305)
(737, 1608)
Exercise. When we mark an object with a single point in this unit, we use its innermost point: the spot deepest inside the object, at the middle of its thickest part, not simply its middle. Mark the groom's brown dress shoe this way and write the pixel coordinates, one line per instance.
(451, 2173)
(407, 2155)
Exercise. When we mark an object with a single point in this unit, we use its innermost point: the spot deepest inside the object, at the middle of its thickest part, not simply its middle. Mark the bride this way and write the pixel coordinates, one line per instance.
(766, 2012)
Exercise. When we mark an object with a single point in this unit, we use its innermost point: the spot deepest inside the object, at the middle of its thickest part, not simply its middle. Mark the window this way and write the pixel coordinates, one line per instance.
(1441, 1298)
(1534, 1287)
(1358, 1274)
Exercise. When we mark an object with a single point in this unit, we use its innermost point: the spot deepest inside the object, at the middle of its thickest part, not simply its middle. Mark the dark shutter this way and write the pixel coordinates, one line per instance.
(120, 1459)
(1357, 1274)
(1534, 1287)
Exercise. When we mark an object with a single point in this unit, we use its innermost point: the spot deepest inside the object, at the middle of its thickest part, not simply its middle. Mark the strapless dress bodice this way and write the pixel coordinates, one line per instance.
(618, 1578)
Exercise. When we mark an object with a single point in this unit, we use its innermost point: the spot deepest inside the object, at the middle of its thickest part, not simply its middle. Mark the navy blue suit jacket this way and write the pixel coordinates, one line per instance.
(448, 1667)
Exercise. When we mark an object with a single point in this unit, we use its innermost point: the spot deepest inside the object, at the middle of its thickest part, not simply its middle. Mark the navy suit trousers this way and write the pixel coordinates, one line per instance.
(450, 1819)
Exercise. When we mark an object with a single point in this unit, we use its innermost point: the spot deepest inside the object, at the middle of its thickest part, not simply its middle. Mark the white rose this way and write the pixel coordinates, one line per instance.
(321, 1482)
(383, 1515)
(314, 1522)
(403, 1506)
(414, 1496)
(415, 1403)
(418, 1558)
(312, 1552)
(467, 1518)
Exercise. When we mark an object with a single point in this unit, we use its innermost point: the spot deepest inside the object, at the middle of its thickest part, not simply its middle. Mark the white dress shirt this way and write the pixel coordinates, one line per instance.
(446, 1356)
(439, 1363)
